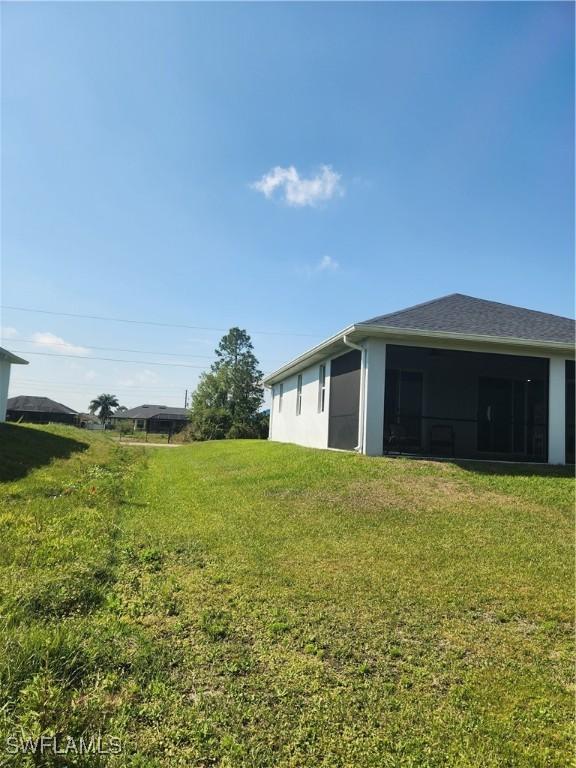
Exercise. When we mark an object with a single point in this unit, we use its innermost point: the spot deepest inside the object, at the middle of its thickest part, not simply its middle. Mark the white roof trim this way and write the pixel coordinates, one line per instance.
(377, 330)
(11, 358)
(363, 330)
(306, 358)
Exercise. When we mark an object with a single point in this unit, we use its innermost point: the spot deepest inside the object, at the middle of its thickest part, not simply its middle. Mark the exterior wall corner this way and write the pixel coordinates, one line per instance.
(373, 401)
(557, 411)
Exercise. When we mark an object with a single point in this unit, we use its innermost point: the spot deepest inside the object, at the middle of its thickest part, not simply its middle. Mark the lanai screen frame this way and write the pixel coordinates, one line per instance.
(451, 424)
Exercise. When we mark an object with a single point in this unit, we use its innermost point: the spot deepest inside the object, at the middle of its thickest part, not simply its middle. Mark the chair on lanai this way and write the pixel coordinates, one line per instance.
(442, 440)
(397, 439)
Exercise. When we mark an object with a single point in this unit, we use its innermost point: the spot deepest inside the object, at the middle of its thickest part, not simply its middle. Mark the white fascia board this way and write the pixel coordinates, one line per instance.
(319, 352)
(471, 342)
(11, 358)
(528, 346)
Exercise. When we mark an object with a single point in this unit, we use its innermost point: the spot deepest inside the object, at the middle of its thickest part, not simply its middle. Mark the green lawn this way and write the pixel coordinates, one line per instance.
(255, 604)
(143, 437)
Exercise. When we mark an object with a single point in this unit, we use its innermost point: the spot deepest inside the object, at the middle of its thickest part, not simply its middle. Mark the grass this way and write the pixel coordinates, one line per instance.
(144, 437)
(255, 604)
(19, 454)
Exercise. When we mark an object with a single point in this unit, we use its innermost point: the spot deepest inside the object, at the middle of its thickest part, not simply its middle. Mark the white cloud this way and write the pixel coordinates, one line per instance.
(7, 332)
(145, 377)
(326, 264)
(297, 191)
(87, 373)
(54, 343)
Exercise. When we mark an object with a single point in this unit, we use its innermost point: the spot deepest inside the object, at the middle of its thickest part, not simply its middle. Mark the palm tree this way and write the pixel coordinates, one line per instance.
(104, 404)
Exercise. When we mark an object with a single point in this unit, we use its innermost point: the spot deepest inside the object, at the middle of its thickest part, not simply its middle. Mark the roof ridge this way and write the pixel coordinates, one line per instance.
(414, 306)
(514, 306)
(42, 399)
(400, 312)
(151, 410)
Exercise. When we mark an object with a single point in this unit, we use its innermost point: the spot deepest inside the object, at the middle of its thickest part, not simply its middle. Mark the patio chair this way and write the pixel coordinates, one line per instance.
(539, 442)
(397, 438)
(442, 439)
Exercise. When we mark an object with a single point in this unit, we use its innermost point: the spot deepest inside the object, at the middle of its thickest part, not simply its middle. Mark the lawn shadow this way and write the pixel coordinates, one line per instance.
(23, 449)
(486, 467)
(517, 470)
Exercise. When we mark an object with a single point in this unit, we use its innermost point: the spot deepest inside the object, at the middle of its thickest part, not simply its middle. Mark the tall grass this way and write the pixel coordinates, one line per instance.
(259, 605)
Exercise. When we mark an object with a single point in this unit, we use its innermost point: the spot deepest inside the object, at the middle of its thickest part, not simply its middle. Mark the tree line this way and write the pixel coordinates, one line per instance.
(228, 400)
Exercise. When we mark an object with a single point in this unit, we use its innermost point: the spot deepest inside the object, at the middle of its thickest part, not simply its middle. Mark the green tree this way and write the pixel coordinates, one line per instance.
(228, 397)
(104, 405)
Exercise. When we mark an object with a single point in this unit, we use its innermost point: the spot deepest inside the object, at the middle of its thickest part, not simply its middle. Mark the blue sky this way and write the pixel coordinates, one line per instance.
(420, 149)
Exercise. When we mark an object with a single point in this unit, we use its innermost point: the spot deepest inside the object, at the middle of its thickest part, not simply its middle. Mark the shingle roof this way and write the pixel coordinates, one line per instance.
(457, 313)
(152, 411)
(36, 404)
(11, 357)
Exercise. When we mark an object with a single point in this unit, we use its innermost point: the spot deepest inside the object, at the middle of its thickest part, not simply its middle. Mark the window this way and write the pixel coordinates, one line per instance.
(280, 396)
(299, 395)
(321, 388)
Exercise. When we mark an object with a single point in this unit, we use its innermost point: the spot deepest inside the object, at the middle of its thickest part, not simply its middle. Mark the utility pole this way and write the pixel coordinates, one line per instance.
(186, 399)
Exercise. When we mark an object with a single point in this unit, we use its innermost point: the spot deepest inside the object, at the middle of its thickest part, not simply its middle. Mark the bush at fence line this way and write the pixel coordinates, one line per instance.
(125, 426)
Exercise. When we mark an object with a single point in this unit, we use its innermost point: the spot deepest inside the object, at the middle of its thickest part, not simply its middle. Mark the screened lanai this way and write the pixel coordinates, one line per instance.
(465, 404)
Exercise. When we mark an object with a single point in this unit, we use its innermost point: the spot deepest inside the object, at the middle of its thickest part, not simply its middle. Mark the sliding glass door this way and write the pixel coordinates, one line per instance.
(403, 410)
(512, 417)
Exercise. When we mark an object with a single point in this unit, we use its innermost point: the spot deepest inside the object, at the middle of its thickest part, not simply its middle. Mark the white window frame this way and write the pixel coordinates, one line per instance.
(299, 395)
(321, 388)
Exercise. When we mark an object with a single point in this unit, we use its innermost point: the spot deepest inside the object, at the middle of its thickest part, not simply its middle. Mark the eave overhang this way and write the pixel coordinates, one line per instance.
(11, 358)
(416, 337)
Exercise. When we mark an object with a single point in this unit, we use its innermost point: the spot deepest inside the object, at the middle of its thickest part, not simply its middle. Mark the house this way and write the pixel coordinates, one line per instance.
(454, 377)
(39, 410)
(7, 359)
(155, 418)
(89, 421)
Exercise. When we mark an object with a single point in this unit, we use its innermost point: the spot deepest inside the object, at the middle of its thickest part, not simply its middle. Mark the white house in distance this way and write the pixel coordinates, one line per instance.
(454, 377)
(6, 360)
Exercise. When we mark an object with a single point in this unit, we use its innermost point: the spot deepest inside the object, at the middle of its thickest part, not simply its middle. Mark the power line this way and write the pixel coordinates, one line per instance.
(88, 385)
(113, 349)
(81, 388)
(67, 345)
(148, 322)
(165, 398)
(107, 359)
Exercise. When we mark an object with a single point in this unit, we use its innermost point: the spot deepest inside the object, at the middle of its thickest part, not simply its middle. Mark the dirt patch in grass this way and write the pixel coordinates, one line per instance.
(275, 607)
(426, 493)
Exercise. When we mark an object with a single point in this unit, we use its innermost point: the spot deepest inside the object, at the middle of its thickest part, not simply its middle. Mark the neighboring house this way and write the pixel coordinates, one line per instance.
(39, 410)
(89, 421)
(7, 359)
(155, 418)
(454, 377)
